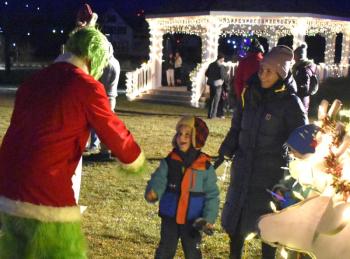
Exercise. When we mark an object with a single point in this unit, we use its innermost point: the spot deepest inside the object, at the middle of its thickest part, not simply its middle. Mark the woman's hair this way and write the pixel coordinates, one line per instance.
(90, 43)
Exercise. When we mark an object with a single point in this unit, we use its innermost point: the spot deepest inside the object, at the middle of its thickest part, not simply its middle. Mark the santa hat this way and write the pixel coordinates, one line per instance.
(279, 59)
(199, 132)
(86, 17)
(302, 139)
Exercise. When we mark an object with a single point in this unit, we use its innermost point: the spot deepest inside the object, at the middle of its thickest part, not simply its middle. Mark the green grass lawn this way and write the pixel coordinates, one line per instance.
(118, 223)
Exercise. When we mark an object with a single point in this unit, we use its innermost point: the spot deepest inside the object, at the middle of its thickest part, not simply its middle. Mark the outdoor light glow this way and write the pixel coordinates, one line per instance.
(284, 253)
(250, 236)
(6, 3)
(273, 207)
(28, 33)
(14, 44)
(298, 196)
(54, 31)
(27, 5)
(38, 8)
(346, 214)
(228, 41)
(62, 31)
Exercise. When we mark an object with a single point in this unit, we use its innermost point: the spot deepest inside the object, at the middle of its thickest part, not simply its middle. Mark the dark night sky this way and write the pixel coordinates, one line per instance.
(60, 14)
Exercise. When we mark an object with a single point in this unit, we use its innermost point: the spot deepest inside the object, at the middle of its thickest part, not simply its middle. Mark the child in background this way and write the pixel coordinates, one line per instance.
(185, 184)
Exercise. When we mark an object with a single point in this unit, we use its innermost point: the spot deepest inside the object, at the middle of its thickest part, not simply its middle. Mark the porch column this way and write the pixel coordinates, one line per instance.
(329, 54)
(299, 31)
(273, 40)
(210, 40)
(156, 53)
(345, 52)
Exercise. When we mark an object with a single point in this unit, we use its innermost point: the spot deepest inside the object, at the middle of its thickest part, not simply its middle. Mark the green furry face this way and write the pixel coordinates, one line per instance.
(90, 43)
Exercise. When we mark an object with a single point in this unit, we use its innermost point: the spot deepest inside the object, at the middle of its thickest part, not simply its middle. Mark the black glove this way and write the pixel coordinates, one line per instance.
(200, 224)
(218, 161)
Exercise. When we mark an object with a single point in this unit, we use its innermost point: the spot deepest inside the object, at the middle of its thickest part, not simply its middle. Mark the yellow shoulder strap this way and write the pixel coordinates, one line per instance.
(242, 95)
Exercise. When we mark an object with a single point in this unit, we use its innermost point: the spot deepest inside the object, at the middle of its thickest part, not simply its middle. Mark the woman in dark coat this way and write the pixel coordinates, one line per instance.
(262, 122)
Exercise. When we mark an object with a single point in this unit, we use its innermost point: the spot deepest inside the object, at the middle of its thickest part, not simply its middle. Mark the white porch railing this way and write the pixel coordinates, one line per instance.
(337, 70)
(139, 81)
(197, 77)
(199, 81)
(142, 80)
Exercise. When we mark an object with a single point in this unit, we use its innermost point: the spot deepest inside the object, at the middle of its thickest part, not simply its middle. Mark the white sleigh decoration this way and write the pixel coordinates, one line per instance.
(319, 225)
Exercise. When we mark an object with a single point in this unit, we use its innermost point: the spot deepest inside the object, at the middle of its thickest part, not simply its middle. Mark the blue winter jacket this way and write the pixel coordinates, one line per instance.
(203, 199)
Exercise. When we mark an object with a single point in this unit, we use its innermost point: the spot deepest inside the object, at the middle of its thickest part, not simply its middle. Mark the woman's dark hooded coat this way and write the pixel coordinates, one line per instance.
(260, 126)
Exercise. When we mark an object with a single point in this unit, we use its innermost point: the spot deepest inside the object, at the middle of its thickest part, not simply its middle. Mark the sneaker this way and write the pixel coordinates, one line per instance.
(99, 157)
(92, 150)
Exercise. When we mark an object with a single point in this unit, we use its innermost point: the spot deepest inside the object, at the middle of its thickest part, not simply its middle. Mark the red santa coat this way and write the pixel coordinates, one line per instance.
(247, 67)
(54, 111)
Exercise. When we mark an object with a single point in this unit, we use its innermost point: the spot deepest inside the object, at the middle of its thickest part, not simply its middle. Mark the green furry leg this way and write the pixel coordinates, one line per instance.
(22, 238)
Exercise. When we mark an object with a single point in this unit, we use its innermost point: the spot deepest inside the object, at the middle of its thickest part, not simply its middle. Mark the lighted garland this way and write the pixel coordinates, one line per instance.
(332, 164)
(271, 26)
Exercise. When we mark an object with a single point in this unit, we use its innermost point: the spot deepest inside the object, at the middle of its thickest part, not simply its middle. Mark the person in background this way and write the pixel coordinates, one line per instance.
(247, 67)
(185, 185)
(261, 123)
(304, 73)
(169, 65)
(224, 99)
(215, 79)
(43, 145)
(109, 79)
(178, 69)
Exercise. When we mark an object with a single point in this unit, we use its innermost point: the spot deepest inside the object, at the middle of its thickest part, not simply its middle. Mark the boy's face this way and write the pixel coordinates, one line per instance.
(183, 138)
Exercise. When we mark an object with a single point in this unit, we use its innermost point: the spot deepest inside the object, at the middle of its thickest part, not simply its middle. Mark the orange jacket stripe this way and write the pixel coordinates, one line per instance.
(188, 180)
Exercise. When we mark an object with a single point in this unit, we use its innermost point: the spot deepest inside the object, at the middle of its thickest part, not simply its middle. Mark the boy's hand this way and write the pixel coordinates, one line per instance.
(201, 224)
(219, 161)
(151, 196)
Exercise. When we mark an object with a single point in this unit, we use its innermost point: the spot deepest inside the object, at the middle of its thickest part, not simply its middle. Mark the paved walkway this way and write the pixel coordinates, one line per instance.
(8, 89)
(11, 89)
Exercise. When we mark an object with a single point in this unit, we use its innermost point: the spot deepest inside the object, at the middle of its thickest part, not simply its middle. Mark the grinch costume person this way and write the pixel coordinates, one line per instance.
(53, 113)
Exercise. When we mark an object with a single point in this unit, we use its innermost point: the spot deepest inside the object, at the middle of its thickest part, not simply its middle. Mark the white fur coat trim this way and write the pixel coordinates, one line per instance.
(39, 212)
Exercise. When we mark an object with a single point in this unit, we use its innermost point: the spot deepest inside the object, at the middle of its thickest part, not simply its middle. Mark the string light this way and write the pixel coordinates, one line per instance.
(284, 253)
(273, 206)
(219, 24)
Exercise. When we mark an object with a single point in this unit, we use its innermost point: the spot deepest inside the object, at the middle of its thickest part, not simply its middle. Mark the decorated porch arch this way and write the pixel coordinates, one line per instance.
(209, 26)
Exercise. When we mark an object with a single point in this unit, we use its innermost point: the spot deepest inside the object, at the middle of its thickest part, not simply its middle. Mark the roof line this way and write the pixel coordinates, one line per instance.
(242, 13)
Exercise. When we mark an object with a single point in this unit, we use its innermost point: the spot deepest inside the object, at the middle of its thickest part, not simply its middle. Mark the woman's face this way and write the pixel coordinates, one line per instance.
(268, 76)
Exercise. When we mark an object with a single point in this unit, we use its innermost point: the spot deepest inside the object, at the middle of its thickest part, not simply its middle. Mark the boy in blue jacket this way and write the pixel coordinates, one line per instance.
(185, 184)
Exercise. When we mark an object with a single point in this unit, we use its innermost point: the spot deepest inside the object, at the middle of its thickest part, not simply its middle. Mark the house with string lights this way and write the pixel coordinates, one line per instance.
(118, 31)
(211, 25)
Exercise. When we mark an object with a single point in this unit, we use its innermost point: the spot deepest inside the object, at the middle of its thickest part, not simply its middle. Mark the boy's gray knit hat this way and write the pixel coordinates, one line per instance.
(301, 51)
(279, 58)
